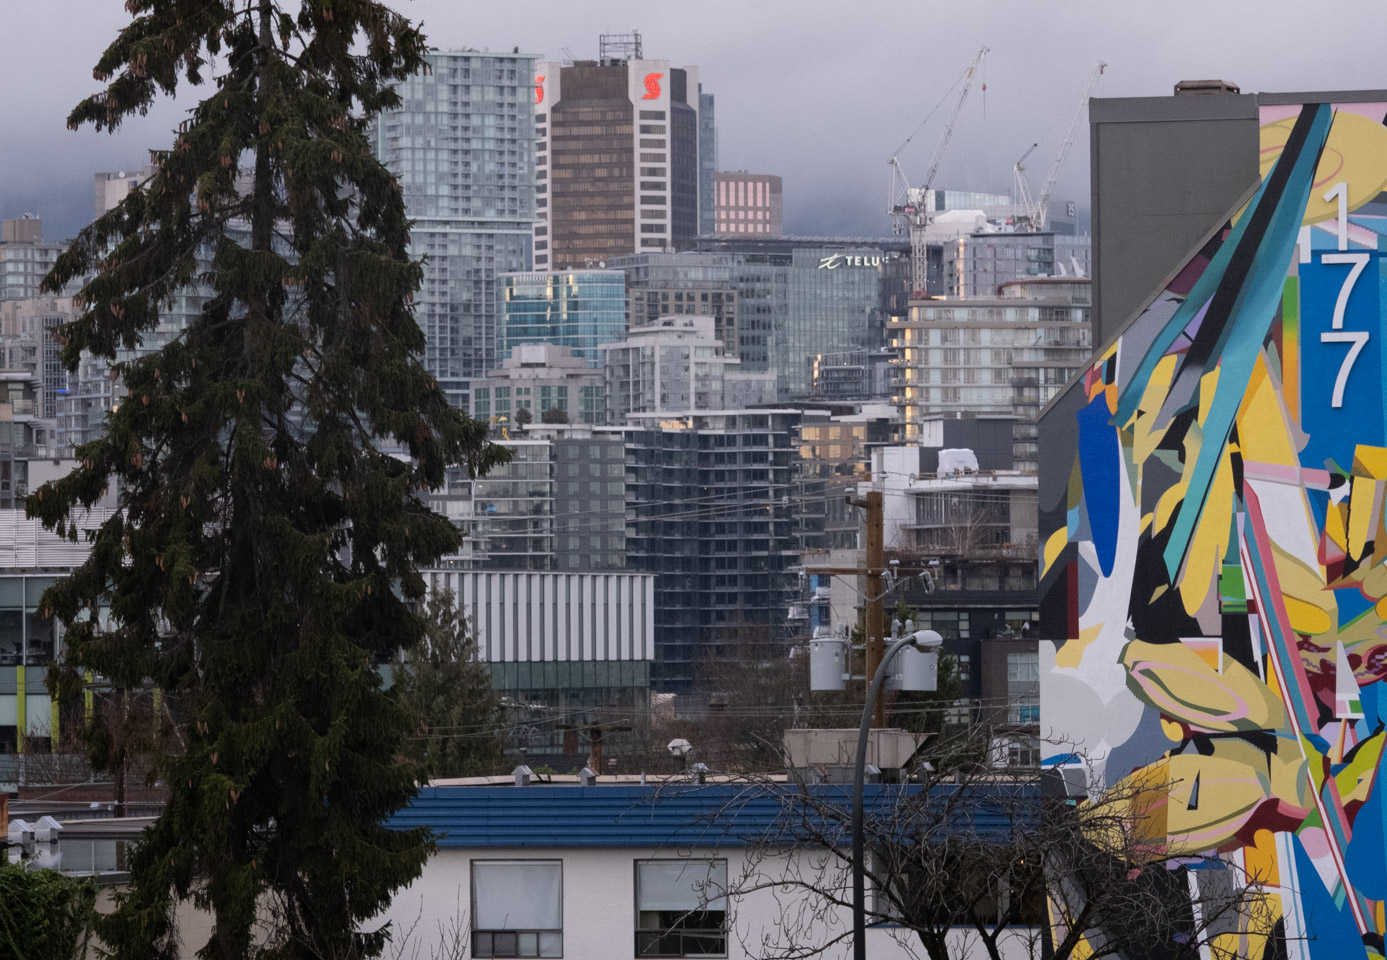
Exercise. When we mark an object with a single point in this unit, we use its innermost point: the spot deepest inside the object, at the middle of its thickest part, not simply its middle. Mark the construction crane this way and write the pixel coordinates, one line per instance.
(907, 203)
(1023, 189)
(1036, 212)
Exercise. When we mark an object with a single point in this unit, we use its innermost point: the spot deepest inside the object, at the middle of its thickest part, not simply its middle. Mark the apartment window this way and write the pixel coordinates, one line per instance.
(517, 908)
(1025, 711)
(1023, 667)
(681, 908)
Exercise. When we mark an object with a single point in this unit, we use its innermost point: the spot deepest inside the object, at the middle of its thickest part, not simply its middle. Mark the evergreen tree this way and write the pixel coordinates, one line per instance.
(266, 555)
(445, 686)
(44, 915)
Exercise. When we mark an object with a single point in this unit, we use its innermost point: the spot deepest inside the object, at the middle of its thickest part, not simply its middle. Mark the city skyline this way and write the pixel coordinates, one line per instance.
(783, 75)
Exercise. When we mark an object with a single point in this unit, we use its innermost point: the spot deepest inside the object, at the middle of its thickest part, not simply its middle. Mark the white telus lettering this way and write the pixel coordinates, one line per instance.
(836, 260)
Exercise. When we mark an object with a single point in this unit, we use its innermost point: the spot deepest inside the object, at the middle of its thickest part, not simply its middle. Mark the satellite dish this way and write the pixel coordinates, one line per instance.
(602, 264)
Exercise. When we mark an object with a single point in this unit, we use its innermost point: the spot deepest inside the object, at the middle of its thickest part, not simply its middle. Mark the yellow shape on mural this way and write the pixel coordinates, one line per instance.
(1370, 462)
(1182, 685)
(1146, 436)
(1191, 803)
(1310, 605)
(1072, 652)
(1307, 617)
(1355, 154)
(1263, 433)
(1054, 544)
(1209, 544)
(1363, 499)
(1259, 859)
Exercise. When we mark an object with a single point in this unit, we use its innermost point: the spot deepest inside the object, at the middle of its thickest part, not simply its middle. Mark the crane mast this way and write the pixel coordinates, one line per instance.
(1038, 211)
(907, 203)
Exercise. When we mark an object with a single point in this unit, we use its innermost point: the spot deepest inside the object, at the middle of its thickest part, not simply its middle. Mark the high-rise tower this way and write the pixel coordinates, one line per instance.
(462, 144)
(617, 159)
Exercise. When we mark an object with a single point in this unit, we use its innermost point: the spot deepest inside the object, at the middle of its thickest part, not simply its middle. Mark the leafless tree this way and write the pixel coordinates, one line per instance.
(968, 860)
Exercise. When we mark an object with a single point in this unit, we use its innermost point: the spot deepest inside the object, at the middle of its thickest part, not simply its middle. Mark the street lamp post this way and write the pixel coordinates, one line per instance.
(920, 638)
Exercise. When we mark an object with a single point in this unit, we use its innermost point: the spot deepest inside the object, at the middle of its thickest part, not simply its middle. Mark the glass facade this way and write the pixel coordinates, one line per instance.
(800, 297)
(675, 284)
(580, 309)
(462, 145)
(29, 642)
(707, 159)
(976, 266)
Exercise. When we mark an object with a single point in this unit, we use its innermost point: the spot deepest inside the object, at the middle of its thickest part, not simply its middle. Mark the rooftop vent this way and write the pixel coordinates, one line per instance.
(522, 775)
(586, 777)
(1196, 88)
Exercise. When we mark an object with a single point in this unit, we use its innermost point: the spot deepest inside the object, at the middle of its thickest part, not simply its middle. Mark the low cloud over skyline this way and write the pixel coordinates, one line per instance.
(820, 93)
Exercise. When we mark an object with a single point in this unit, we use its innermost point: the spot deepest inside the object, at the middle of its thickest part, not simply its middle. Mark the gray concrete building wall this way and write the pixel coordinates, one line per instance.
(1164, 170)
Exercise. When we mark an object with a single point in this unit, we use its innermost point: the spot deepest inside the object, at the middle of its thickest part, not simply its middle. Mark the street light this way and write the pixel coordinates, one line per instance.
(920, 638)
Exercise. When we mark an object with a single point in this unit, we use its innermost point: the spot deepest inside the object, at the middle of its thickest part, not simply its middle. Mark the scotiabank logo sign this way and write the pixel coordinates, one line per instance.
(539, 89)
(652, 86)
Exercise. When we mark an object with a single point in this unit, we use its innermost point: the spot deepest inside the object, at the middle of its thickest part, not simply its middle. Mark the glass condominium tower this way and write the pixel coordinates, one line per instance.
(462, 143)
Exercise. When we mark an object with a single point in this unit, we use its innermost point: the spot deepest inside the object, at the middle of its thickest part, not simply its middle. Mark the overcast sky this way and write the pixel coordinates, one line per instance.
(818, 92)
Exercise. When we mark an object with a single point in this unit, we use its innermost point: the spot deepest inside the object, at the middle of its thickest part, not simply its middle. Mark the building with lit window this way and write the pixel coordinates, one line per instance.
(617, 156)
(578, 309)
(749, 203)
(462, 145)
(1005, 355)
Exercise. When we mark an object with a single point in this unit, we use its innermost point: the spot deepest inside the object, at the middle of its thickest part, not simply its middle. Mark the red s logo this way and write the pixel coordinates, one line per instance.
(539, 89)
(652, 86)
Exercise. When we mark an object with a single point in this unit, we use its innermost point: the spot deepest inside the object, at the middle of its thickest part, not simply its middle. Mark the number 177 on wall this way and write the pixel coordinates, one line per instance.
(1357, 262)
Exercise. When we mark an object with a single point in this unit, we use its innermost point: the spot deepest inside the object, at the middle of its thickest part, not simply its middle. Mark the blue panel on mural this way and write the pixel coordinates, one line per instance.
(1363, 857)
(1342, 349)
(1329, 926)
(1099, 459)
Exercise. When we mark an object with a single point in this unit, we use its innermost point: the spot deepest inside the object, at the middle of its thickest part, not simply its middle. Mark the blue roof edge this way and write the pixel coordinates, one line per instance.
(683, 815)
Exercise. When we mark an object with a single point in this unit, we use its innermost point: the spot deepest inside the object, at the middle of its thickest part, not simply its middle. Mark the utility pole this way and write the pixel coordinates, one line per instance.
(875, 572)
(876, 594)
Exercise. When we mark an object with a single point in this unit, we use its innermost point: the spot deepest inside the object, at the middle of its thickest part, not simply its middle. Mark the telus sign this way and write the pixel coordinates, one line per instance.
(834, 261)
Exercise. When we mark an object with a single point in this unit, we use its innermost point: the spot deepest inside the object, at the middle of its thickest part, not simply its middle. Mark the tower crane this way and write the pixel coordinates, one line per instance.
(1037, 211)
(907, 203)
(1023, 189)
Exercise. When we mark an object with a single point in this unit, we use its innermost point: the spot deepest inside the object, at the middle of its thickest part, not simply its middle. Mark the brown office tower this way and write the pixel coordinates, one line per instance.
(616, 157)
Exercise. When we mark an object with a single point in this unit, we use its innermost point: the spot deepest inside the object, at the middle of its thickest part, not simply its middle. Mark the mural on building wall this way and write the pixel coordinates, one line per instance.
(1219, 553)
